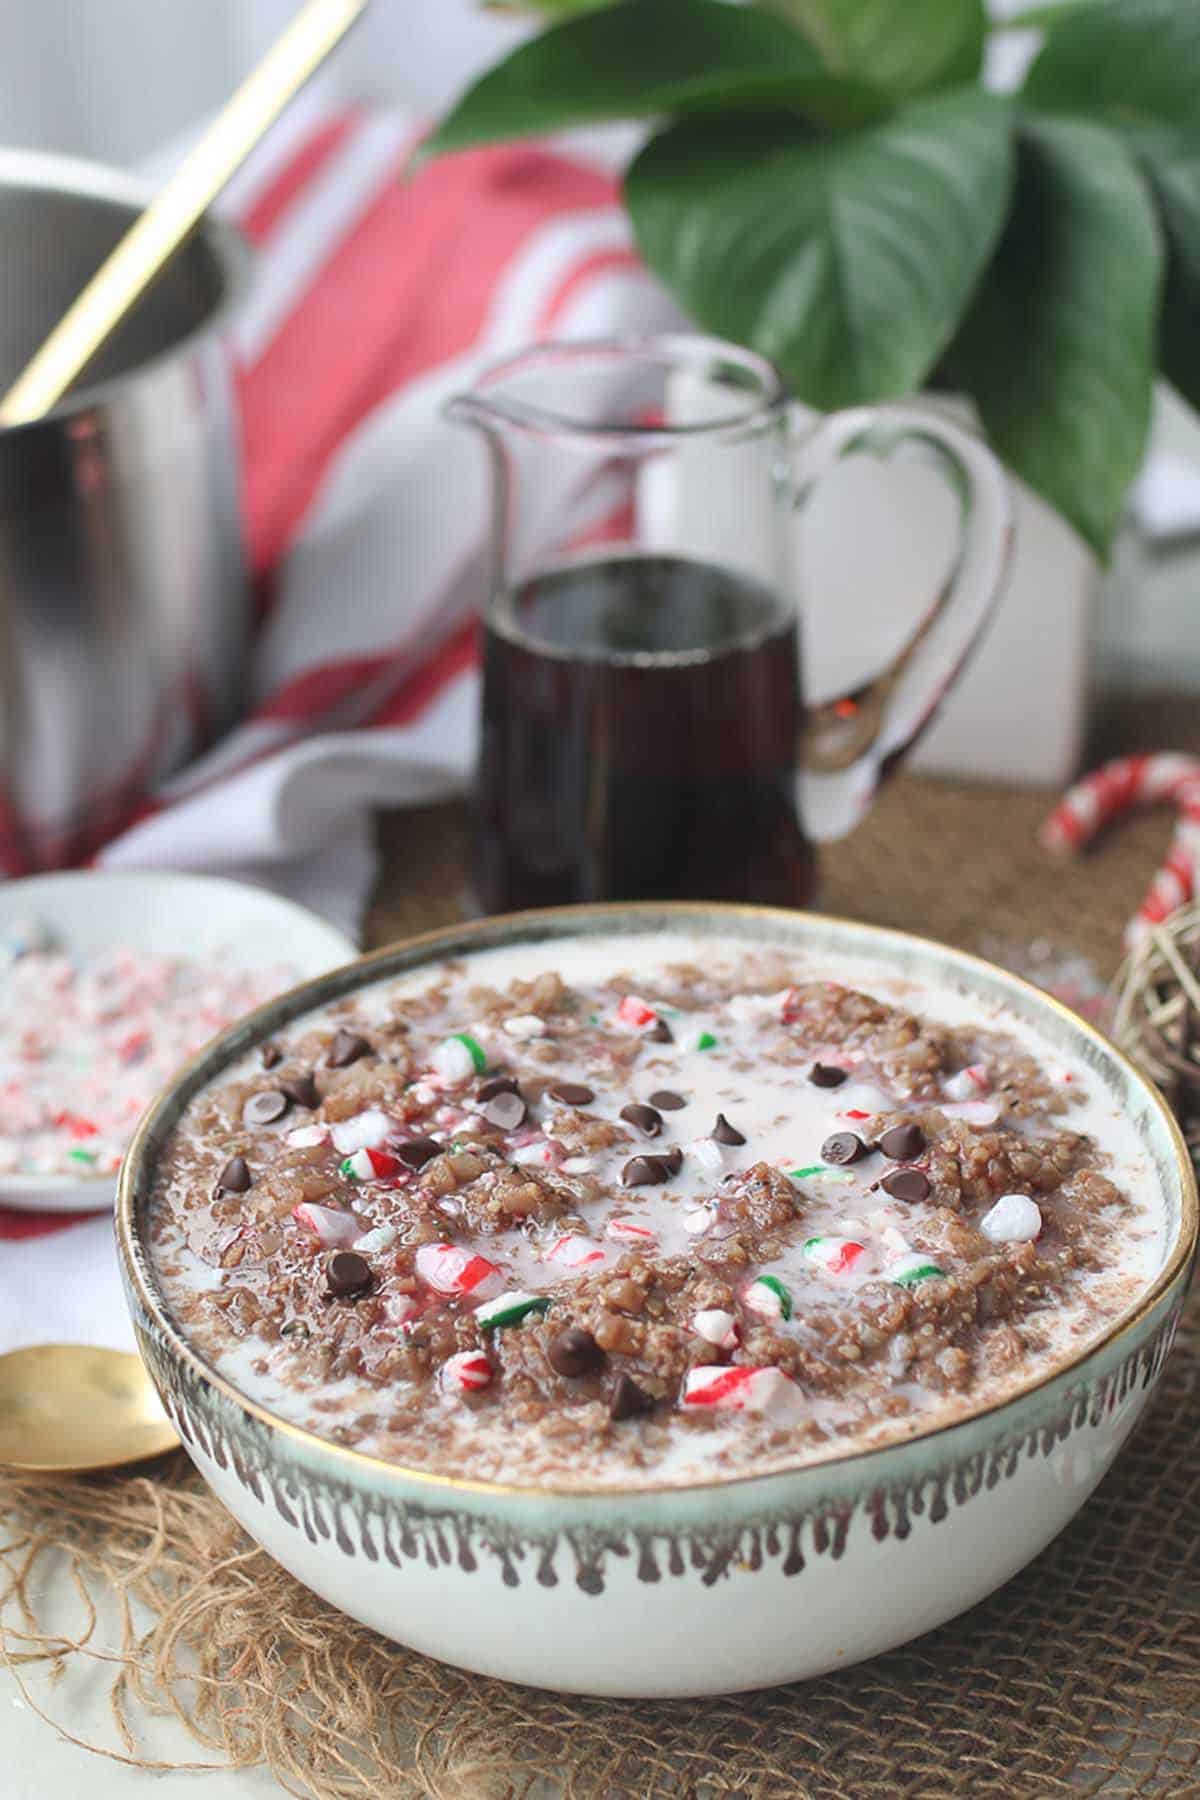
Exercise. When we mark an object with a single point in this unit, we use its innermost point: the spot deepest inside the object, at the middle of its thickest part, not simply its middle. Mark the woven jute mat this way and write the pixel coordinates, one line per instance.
(1080, 1677)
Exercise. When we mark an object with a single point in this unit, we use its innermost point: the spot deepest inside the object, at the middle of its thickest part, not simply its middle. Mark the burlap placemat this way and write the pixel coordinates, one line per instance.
(1081, 1677)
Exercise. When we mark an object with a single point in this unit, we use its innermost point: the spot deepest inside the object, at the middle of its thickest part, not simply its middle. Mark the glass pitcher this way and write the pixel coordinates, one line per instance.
(643, 708)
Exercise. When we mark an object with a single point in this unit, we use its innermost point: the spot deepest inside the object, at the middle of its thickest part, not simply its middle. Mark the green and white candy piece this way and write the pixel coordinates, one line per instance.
(908, 1270)
(459, 1057)
(509, 1309)
(768, 1297)
(703, 1040)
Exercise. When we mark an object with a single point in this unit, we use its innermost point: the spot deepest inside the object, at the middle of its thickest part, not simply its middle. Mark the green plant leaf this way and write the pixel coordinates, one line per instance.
(848, 260)
(641, 58)
(1135, 66)
(901, 46)
(1058, 347)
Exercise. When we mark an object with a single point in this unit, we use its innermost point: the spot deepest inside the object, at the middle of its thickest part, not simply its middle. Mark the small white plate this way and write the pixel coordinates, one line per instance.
(174, 915)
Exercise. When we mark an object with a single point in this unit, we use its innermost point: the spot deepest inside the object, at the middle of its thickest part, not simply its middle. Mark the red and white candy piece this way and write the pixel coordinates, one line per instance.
(467, 1373)
(1015, 1219)
(769, 1298)
(540, 1153)
(365, 1131)
(835, 1255)
(372, 1165)
(627, 1231)
(973, 1112)
(768, 1392)
(635, 1014)
(307, 1137)
(449, 1269)
(458, 1058)
(573, 1251)
(717, 1327)
(969, 1084)
(327, 1223)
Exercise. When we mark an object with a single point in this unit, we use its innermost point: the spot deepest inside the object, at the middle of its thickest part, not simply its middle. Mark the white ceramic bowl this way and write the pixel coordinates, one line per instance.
(174, 915)
(713, 1587)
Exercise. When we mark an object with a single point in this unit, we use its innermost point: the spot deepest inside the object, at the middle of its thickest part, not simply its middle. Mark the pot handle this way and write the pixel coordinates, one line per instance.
(854, 742)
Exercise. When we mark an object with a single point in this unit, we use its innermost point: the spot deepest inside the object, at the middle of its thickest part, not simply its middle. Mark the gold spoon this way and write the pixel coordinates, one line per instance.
(70, 1408)
(168, 221)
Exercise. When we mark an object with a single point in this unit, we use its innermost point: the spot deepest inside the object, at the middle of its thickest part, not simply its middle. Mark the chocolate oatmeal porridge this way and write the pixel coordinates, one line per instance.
(626, 1211)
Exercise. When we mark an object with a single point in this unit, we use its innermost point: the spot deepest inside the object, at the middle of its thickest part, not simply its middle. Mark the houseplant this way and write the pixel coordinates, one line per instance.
(829, 182)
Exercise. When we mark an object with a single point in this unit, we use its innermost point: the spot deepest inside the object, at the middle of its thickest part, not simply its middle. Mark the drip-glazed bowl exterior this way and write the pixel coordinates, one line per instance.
(705, 1588)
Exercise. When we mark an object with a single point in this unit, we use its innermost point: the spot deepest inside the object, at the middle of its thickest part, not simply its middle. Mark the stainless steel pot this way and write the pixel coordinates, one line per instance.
(123, 591)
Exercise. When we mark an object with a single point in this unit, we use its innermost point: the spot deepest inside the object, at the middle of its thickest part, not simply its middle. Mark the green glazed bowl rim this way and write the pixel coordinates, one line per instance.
(549, 925)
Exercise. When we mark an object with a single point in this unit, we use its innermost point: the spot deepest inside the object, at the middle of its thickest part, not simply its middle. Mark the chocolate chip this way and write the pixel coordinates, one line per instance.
(902, 1142)
(646, 1118)
(497, 1084)
(725, 1133)
(271, 1055)
(264, 1108)
(661, 1033)
(234, 1177)
(418, 1151)
(667, 1100)
(672, 1159)
(844, 1147)
(302, 1089)
(644, 1171)
(346, 1048)
(348, 1275)
(574, 1351)
(627, 1400)
(505, 1111)
(906, 1184)
(572, 1093)
(824, 1075)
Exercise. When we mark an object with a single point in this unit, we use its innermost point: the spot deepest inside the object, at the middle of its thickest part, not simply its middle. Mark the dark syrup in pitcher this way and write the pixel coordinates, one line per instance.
(640, 724)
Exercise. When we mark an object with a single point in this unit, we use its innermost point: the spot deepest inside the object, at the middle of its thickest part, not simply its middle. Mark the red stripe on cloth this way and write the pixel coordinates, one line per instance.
(264, 213)
(418, 691)
(601, 262)
(14, 1226)
(408, 287)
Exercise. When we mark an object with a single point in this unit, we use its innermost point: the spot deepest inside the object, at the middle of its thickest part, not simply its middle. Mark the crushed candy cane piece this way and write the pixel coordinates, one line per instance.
(1014, 1219)
(573, 1251)
(380, 1237)
(821, 1171)
(509, 1309)
(717, 1327)
(703, 1040)
(543, 1153)
(467, 1372)
(625, 1231)
(708, 1153)
(449, 1269)
(836, 1255)
(365, 1131)
(306, 1137)
(400, 1308)
(523, 1026)
(328, 1223)
(579, 1165)
(973, 1112)
(457, 1058)
(636, 1013)
(766, 1391)
(372, 1165)
(768, 1297)
(909, 1270)
(698, 1220)
(968, 1084)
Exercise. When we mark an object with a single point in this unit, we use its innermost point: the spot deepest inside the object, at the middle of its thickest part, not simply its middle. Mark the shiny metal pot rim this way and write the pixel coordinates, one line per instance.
(233, 256)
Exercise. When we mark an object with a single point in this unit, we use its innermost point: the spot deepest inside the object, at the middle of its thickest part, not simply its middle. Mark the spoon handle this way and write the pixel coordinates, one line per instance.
(154, 237)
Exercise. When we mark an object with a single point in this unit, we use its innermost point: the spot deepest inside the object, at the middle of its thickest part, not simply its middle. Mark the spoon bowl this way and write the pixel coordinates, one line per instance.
(67, 1409)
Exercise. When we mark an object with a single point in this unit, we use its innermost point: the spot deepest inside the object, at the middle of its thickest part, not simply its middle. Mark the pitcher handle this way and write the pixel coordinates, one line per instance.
(854, 742)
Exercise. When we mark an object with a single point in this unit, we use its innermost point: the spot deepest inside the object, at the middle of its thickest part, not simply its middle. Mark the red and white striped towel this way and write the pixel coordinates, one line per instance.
(374, 299)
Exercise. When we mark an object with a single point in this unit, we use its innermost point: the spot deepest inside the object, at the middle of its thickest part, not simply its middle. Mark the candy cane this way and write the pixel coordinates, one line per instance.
(1114, 789)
